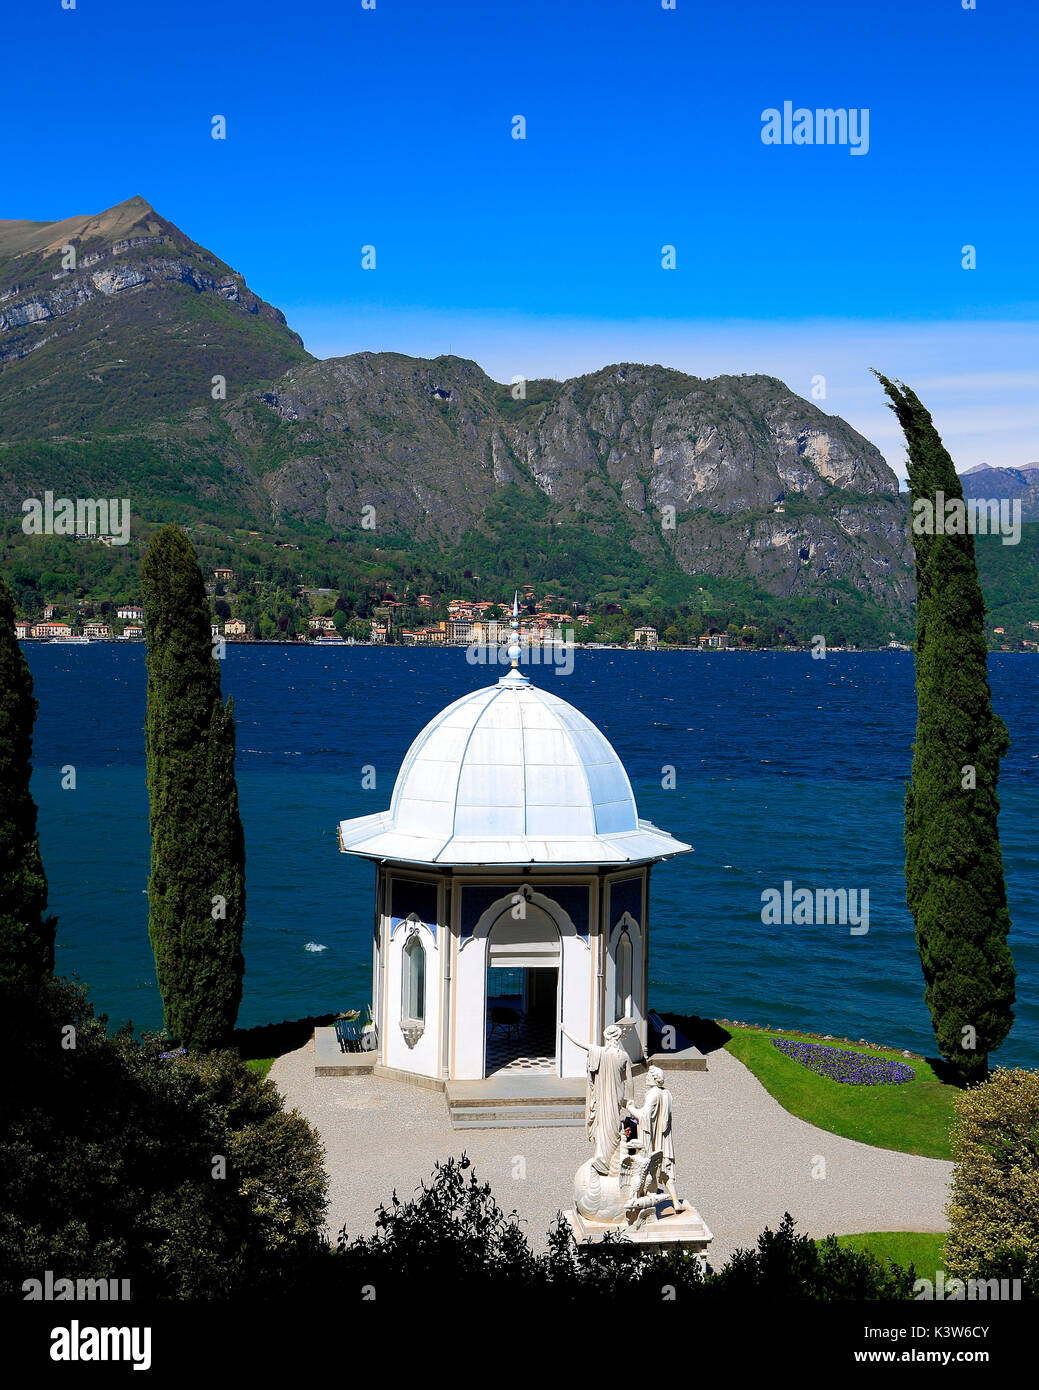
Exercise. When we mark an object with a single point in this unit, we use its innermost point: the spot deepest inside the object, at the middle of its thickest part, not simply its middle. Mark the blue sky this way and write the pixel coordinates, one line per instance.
(392, 127)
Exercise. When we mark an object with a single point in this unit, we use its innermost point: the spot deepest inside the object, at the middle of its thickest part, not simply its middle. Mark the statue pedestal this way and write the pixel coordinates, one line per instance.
(685, 1228)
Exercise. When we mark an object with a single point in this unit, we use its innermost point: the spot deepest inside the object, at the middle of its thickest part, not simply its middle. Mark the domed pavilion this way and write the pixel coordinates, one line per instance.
(512, 891)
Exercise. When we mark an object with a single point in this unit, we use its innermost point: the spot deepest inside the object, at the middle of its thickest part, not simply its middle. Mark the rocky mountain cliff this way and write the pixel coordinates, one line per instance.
(736, 476)
(108, 364)
(112, 319)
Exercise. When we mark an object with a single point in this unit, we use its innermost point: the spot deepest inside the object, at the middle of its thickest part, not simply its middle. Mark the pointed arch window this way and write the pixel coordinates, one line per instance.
(413, 1008)
(622, 990)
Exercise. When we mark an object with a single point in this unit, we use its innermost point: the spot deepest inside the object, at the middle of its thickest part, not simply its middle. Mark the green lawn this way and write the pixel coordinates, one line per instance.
(914, 1118)
(261, 1065)
(924, 1250)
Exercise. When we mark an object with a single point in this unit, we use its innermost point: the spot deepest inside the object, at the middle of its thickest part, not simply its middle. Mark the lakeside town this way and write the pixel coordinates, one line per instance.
(545, 622)
(483, 622)
(85, 589)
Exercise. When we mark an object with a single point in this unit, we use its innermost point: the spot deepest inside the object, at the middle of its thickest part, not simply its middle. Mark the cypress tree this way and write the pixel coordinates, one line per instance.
(196, 891)
(26, 934)
(955, 886)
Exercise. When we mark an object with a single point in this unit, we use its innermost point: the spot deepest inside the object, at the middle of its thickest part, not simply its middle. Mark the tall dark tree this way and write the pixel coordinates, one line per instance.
(955, 886)
(196, 892)
(26, 932)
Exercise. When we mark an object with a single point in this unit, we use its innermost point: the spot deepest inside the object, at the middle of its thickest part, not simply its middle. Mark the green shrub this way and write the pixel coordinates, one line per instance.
(453, 1234)
(994, 1206)
(110, 1163)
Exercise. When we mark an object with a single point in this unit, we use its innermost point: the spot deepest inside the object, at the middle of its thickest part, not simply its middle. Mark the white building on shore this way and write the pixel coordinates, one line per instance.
(512, 891)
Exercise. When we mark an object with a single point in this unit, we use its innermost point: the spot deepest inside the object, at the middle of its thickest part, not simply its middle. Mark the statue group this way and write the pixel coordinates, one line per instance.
(632, 1169)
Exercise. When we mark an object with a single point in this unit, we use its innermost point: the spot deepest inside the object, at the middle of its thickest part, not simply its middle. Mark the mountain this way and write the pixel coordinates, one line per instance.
(113, 319)
(632, 479)
(984, 480)
(762, 484)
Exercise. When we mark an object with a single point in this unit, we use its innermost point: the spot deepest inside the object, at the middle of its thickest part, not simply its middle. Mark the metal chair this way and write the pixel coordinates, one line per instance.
(507, 1019)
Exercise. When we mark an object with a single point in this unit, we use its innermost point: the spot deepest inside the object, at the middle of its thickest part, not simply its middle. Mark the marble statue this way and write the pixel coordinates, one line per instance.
(609, 1091)
(654, 1121)
(626, 1195)
(636, 1200)
(640, 1172)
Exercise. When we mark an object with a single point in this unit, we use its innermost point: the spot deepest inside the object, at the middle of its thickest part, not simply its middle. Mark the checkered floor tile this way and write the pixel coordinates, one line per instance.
(531, 1050)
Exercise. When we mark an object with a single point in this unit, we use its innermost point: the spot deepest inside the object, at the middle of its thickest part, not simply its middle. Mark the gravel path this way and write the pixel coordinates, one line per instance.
(742, 1159)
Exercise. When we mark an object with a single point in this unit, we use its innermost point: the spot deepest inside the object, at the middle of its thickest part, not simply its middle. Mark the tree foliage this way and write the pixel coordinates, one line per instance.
(955, 886)
(994, 1204)
(26, 932)
(453, 1234)
(110, 1163)
(196, 891)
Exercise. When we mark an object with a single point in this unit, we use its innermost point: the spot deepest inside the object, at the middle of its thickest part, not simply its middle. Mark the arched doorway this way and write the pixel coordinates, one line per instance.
(524, 958)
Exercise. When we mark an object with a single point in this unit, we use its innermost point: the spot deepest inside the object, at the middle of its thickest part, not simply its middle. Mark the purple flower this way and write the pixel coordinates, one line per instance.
(851, 1068)
(177, 1052)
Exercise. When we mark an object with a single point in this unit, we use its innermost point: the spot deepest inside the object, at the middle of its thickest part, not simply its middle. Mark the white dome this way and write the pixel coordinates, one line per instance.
(510, 774)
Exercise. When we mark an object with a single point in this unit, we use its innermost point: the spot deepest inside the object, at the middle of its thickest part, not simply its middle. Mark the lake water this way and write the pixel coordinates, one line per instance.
(787, 768)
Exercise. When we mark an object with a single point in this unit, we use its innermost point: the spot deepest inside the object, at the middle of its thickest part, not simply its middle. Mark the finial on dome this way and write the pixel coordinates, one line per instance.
(514, 646)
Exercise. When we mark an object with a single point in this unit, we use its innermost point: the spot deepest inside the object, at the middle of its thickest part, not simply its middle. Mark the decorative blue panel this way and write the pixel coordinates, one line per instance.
(409, 896)
(574, 902)
(476, 899)
(626, 896)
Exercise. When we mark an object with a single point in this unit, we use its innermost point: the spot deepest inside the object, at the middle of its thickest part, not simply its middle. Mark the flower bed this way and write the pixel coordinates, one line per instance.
(852, 1068)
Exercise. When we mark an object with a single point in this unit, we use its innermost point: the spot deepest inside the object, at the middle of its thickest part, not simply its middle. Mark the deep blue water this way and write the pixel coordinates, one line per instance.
(787, 768)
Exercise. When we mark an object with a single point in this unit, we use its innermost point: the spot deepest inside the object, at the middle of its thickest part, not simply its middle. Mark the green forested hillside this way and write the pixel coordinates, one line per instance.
(136, 364)
(1010, 581)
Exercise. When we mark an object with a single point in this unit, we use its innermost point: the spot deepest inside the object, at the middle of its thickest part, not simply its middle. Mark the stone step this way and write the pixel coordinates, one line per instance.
(516, 1116)
(330, 1060)
(523, 1102)
(510, 1119)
